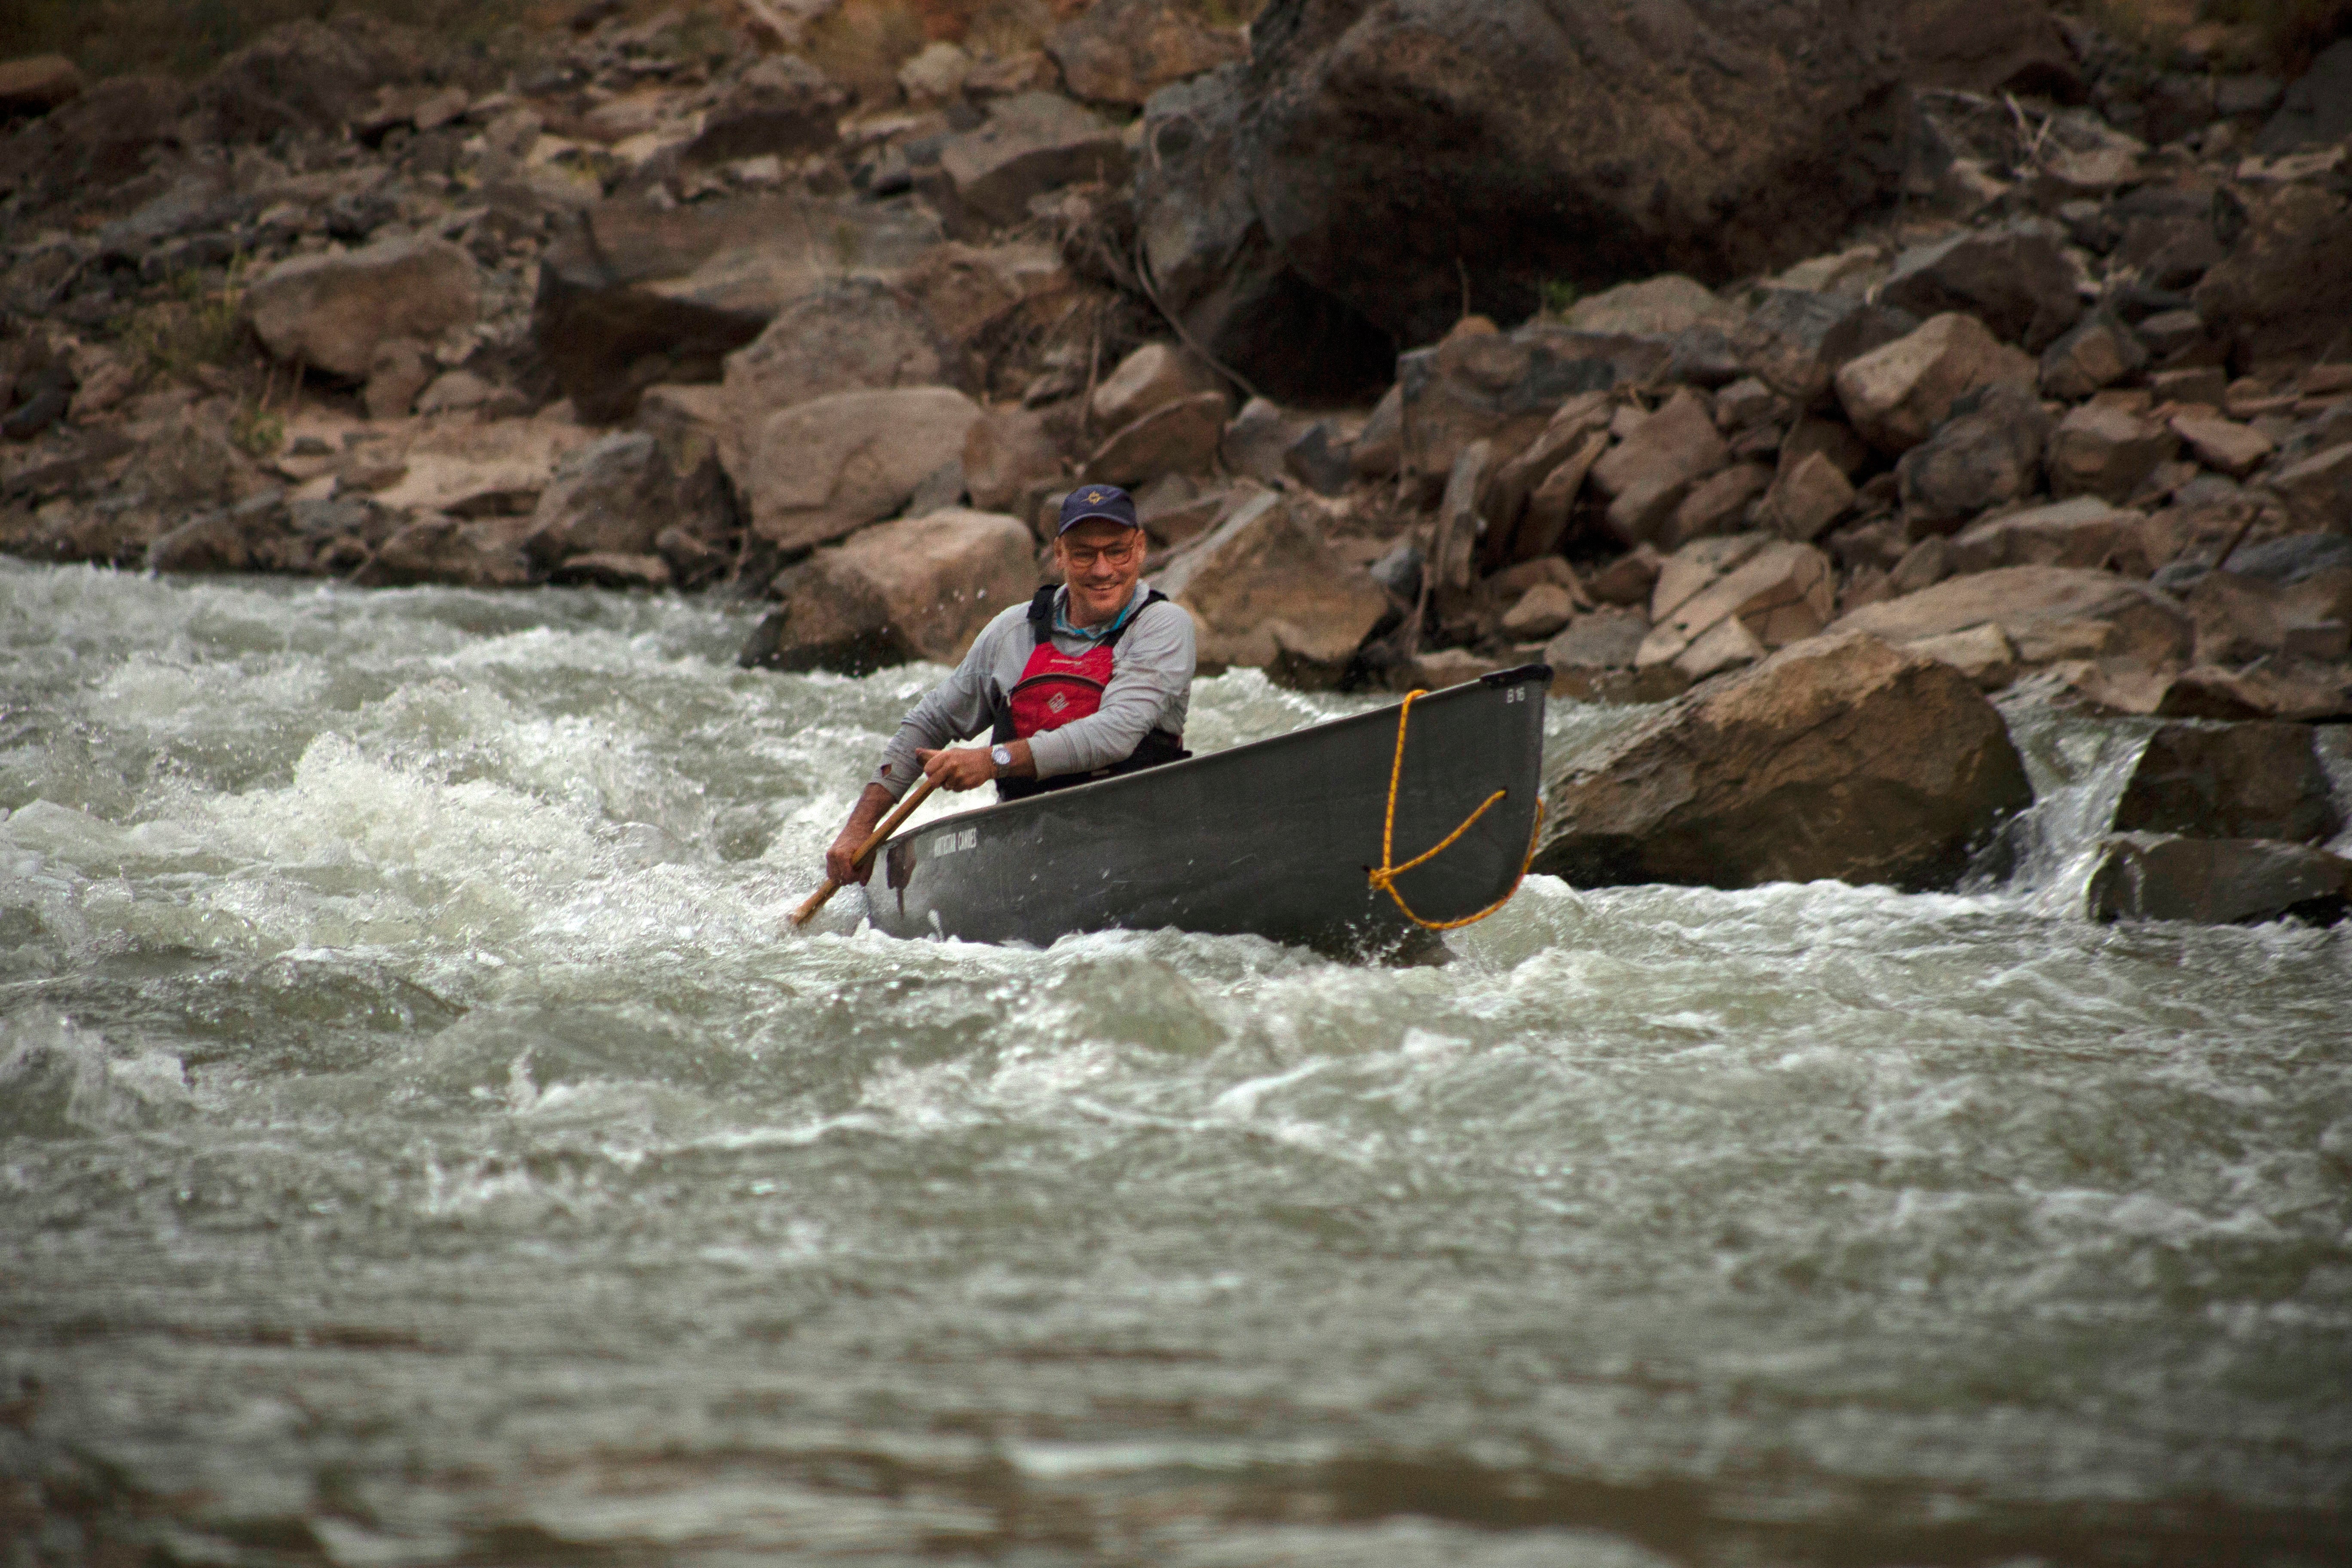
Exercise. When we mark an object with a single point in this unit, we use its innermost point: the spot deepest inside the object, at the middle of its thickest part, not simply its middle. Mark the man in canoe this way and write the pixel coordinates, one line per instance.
(1084, 681)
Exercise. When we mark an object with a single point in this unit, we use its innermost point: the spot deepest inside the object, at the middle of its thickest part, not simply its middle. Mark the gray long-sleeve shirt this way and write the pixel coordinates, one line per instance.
(1150, 688)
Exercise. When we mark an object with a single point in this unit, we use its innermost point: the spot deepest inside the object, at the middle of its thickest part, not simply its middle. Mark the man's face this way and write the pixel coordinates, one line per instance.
(1101, 562)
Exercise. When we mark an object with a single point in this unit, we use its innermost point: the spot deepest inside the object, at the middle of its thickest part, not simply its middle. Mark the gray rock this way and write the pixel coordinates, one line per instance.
(782, 105)
(2014, 280)
(1212, 265)
(1797, 341)
(2215, 881)
(2230, 781)
(1318, 459)
(1606, 638)
(1987, 454)
(2318, 107)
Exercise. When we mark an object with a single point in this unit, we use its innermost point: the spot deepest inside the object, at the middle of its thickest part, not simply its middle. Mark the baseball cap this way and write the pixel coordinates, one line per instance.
(1109, 503)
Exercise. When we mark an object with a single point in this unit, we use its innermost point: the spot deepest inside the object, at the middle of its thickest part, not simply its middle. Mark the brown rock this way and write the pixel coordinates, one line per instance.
(2225, 445)
(2098, 449)
(1986, 47)
(781, 105)
(1480, 384)
(2097, 353)
(1267, 589)
(1806, 498)
(1380, 445)
(1123, 51)
(1798, 340)
(2014, 280)
(2047, 611)
(1838, 758)
(1720, 505)
(2238, 619)
(2272, 689)
(2286, 290)
(615, 497)
(1030, 144)
(1922, 565)
(465, 470)
(2318, 490)
(1566, 442)
(399, 371)
(1628, 580)
(1648, 474)
(1257, 442)
(1539, 613)
(2239, 781)
(1178, 437)
(920, 588)
(848, 335)
(1607, 638)
(1896, 395)
(332, 311)
(1988, 453)
(1151, 378)
(1983, 654)
(36, 84)
(609, 569)
(826, 468)
(2084, 531)
(2207, 385)
(1010, 462)
(1780, 593)
(484, 552)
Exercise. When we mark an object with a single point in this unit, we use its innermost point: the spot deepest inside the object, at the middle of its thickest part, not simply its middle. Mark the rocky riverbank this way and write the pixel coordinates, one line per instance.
(1432, 337)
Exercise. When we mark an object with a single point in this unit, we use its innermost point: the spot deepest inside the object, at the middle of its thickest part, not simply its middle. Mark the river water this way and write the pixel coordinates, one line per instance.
(419, 1142)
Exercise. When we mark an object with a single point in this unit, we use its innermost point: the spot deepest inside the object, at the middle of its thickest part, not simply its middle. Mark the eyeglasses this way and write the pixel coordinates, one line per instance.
(1081, 556)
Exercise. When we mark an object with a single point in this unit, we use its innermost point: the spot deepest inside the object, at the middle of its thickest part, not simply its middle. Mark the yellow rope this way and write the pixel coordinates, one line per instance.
(1385, 875)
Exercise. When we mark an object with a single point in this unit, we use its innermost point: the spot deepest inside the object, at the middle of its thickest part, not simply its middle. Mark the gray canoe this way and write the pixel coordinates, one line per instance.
(1274, 838)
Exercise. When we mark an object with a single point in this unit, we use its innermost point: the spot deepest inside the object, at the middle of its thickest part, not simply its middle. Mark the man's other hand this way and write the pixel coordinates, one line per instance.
(840, 861)
(959, 767)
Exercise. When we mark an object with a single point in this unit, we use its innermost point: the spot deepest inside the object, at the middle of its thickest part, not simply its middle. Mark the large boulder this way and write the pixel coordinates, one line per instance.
(2214, 881)
(2230, 781)
(2046, 612)
(1210, 264)
(1030, 144)
(819, 470)
(1401, 152)
(920, 588)
(1269, 591)
(332, 312)
(1123, 51)
(2318, 107)
(1840, 757)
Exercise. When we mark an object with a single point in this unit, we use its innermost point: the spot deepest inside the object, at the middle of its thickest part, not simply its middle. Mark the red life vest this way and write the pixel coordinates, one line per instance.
(1058, 688)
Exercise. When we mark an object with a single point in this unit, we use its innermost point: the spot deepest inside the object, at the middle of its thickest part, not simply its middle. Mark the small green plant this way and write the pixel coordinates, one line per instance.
(1560, 296)
(257, 432)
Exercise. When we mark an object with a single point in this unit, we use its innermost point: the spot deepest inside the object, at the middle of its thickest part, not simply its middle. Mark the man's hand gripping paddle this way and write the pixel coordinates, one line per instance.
(881, 836)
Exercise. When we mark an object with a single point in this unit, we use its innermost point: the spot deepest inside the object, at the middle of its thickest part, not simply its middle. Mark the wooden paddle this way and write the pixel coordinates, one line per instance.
(881, 836)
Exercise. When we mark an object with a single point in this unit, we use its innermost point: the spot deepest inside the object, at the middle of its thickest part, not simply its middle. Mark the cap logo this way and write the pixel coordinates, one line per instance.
(1094, 497)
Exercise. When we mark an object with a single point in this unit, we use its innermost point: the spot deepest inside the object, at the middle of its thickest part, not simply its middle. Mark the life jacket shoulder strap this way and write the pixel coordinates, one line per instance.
(1041, 615)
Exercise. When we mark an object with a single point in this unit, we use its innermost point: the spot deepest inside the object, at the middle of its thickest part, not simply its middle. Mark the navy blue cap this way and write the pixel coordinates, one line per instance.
(1107, 502)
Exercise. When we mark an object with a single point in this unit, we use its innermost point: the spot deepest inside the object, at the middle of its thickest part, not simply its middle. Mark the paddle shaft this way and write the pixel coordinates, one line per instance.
(880, 837)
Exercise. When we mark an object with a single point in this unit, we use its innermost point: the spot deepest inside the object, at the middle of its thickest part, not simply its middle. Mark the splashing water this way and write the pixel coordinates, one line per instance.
(419, 1142)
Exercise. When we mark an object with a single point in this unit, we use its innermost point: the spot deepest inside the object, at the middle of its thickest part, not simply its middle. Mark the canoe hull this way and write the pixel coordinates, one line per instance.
(1274, 838)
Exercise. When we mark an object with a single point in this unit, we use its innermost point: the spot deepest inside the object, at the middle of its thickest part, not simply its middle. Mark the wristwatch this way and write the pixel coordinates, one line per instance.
(1002, 757)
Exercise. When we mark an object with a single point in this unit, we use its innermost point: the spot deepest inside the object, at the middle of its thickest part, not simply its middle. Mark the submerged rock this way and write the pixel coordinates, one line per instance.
(1842, 758)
